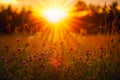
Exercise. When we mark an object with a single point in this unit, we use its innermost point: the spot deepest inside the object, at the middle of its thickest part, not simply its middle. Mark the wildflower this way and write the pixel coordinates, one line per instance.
(62, 42)
(44, 44)
(88, 52)
(6, 47)
(43, 66)
(55, 62)
(34, 57)
(20, 79)
(43, 54)
(113, 46)
(106, 71)
(25, 63)
(18, 40)
(11, 59)
(71, 49)
(27, 44)
(37, 53)
(111, 52)
(112, 40)
(39, 58)
(19, 49)
(118, 45)
(31, 77)
(91, 60)
(91, 78)
(101, 56)
(80, 58)
(3, 59)
(101, 48)
(79, 75)
(8, 60)
(30, 58)
(4, 77)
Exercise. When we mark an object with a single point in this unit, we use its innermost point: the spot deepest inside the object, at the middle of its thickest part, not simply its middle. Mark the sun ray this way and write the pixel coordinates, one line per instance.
(57, 16)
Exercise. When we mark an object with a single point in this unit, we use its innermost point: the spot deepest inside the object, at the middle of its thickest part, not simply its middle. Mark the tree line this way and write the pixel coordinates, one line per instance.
(99, 20)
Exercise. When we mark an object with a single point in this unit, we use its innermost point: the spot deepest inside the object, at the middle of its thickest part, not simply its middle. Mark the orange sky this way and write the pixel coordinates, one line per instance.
(100, 2)
(36, 2)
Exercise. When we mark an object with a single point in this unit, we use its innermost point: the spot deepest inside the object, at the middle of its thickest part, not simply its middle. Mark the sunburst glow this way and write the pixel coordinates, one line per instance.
(55, 11)
(55, 14)
(58, 16)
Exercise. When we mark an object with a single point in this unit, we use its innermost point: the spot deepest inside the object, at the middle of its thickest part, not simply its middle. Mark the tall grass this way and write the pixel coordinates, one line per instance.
(79, 58)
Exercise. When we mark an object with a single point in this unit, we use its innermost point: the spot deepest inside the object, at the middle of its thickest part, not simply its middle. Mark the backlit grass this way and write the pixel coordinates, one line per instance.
(90, 57)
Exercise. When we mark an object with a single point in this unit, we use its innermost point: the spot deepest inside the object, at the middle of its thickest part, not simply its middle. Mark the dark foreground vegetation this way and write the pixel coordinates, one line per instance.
(75, 58)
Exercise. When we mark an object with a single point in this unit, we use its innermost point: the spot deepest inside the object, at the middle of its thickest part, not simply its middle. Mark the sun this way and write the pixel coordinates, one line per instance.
(55, 11)
(57, 18)
(55, 14)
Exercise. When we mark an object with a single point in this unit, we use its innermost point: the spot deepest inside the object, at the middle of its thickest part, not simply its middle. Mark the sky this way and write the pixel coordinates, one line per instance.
(101, 2)
(36, 2)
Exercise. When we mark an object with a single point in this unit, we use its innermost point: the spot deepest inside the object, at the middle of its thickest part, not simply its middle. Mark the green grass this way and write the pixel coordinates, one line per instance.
(74, 57)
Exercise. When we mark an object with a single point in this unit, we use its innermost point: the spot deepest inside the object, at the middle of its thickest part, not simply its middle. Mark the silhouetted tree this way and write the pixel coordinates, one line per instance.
(112, 19)
(10, 19)
(81, 5)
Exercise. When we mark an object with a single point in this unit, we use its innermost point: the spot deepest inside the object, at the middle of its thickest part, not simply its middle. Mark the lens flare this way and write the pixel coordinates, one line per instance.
(57, 17)
(55, 14)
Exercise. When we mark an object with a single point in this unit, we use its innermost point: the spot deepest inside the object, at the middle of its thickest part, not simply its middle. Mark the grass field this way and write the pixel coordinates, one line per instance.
(72, 57)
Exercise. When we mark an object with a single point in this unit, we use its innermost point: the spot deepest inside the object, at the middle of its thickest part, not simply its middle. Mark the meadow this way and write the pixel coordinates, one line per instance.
(59, 40)
(72, 57)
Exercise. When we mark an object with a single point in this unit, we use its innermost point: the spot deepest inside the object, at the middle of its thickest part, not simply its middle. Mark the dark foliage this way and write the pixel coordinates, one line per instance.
(10, 20)
(105, 22)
